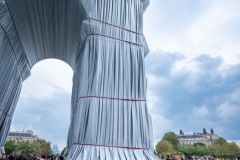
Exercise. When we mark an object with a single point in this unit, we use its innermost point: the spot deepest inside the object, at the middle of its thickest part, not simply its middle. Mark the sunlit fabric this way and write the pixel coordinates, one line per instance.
(103, 42)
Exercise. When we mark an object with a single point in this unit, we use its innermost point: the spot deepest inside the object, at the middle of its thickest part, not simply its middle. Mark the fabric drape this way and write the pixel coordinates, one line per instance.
(103, 42)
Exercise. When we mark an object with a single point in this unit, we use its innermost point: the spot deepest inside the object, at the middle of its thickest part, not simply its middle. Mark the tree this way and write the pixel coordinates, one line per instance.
(222, 149)
(220, 141)
(187, 150)
(10, 146)
(181, 132)
(164, 147)
(43, 147)
(204, 131)
(172, 138)
(233, 148)
(26, 147)
(201, 150)
(212, 132)
(197, 150)
(199, 144)
(39, 147)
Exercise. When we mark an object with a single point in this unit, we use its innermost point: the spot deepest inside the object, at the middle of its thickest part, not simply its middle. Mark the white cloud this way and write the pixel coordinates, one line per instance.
(228, 111)
(202, 27)
(155, 81)
(235, 96)
(213, 32)
(152, 100)
(185, 65)
(200, 111)
(161, 125)
(47, 77)
(191, 90)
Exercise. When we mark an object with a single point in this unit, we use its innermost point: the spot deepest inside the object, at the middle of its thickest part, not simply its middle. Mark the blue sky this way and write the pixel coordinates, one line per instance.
(193, 72)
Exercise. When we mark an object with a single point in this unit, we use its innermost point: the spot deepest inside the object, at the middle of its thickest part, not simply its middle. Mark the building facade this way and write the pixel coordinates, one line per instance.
(190, 139)
(20, 136)
(55, 150)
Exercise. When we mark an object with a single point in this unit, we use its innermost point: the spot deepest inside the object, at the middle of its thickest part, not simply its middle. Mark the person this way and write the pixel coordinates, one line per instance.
(168, 157)
(177, 157)
(2, 156)
(43, 157)
(11, 157)
(61, 158)
(57, 157)
(160, 156)
(22, 157)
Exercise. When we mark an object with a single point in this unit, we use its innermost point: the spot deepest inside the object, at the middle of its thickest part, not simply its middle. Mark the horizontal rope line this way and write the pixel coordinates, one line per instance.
(121, 99)
(115, 26)
(101, 145)
(115, 39)
(109, 98)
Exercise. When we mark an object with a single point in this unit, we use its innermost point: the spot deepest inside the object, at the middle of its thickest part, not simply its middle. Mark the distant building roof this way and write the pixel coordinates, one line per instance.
(189, 136)
(28, 133)
(197, 138)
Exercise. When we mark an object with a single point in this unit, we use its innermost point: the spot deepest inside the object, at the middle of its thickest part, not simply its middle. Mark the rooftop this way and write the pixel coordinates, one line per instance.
(28, 133)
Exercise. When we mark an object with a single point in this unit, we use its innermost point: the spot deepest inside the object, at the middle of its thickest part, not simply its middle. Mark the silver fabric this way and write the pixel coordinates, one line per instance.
(102, 41)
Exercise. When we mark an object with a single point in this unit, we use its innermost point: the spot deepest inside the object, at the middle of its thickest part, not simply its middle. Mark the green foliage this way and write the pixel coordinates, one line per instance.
(199, 144)
(26, 147)
(10, 146)
(202, 150)
(233, 147)
(172, 138)
(40, 147)
(43, 147)
(181, 132)
(212, 132)
(197, 150)
(222, 149)
(164, 147)
(204, 131)
(220, 141)
(187, 150)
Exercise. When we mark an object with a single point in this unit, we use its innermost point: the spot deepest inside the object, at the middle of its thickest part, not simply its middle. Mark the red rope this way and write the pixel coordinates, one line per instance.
(121, 99)
(115, 39)
(115, 26)
(101, 145)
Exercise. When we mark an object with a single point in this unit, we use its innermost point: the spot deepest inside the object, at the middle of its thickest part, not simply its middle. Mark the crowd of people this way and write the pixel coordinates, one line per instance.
(182, 157)
(32, 157)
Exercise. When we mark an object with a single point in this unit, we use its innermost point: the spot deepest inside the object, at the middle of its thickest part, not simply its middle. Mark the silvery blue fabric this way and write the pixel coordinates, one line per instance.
(103, 42)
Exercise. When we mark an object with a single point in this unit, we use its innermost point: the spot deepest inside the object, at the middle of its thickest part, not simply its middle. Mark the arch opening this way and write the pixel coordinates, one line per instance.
(45, 101)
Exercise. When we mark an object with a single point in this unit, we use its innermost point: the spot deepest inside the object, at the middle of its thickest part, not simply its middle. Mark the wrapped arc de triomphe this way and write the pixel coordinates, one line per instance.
(103, 42)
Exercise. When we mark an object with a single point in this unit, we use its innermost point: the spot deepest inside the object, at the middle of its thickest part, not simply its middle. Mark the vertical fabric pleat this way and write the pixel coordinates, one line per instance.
(10, 83)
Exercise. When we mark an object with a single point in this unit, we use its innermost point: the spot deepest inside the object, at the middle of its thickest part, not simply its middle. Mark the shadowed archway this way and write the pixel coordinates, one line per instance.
(102, 41)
